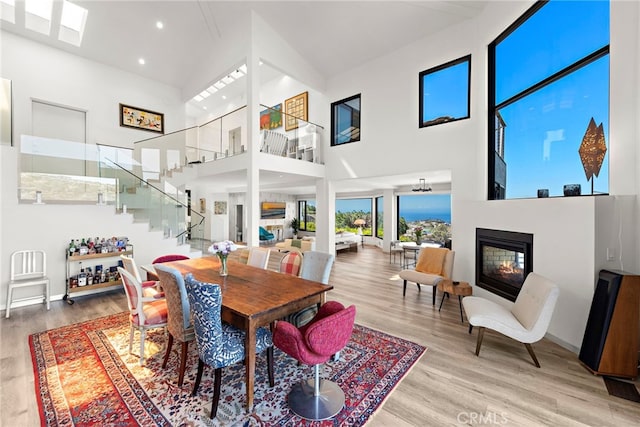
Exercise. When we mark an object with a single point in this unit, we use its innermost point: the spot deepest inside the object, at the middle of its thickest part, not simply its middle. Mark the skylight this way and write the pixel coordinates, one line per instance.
(37, 15)
(8, 10)
(224, 81)
(72, 23)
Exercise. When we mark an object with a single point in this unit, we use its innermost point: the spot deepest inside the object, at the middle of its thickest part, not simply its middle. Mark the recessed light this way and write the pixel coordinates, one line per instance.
(198, 98)
(224, 97)
(212, 89)
(243, 68)
(204, 108)
(228, 79)
(237, 74)
(219, 84)
(141, 61)
(159, 25)
(204, 94)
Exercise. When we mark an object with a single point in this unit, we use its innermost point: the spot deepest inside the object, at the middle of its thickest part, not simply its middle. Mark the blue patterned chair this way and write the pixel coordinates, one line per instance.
(178, 315)
(219, 344)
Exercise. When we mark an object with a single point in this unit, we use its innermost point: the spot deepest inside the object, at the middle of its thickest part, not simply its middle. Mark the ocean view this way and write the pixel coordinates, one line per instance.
(412, 216)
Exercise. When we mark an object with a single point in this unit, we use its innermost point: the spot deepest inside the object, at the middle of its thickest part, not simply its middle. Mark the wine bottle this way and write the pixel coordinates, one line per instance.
(82, 277)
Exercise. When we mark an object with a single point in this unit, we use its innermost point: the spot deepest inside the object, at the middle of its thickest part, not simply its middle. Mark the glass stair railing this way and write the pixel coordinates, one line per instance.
(165, 212)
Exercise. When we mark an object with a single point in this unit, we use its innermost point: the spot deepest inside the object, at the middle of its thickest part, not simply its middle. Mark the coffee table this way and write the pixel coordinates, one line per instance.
(450, 287)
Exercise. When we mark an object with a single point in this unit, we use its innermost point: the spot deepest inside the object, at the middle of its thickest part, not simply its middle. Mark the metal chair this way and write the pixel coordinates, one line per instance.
(144, 312)
(28, 268)
(395, 249)
(313, 344)
(178, 315)
(219, 344)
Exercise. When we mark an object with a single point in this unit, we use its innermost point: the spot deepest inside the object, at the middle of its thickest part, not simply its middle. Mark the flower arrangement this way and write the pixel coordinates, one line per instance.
(222, 249)
(418, 232)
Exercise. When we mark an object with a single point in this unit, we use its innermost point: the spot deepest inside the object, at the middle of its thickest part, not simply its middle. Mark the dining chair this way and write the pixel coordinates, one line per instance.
(219, 344)
(144, 312)
(316, 266)
(291, 263)
(28, 268)
(150, 288)
(259, 257)
(313, 344)
(178, 315)
(395, 249)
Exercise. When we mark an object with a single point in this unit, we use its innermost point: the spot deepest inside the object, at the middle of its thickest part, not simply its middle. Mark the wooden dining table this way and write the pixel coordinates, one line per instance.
(253, 297)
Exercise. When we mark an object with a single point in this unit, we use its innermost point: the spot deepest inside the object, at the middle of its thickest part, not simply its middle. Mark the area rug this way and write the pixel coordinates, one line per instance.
(84, 375)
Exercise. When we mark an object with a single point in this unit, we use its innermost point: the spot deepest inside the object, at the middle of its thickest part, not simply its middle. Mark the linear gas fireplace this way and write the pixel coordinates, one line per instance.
(503, 261)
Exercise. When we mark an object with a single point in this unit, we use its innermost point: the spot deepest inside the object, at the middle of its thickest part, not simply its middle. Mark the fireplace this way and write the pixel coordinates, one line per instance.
(503, 261)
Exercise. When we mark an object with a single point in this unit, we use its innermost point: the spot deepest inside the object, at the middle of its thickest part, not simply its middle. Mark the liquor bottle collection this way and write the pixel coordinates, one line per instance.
(91, 275)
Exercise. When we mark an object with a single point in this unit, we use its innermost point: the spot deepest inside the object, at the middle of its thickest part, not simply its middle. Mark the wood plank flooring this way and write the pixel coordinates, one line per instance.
(448, 386)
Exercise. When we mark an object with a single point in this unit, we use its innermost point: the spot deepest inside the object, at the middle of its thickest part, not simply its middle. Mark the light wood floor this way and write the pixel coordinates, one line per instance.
(448, 386)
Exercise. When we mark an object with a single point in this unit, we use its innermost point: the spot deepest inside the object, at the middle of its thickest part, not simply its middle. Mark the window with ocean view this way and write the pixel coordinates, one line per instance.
(430, 213)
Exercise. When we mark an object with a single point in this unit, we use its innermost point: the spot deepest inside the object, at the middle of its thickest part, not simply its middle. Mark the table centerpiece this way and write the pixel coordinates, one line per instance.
(222, 250)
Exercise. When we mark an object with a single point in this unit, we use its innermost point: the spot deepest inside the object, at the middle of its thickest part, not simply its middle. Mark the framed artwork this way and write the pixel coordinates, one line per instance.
(220, 208)
(141, 119)
(203, 205)
(271, 118)
(296, 108)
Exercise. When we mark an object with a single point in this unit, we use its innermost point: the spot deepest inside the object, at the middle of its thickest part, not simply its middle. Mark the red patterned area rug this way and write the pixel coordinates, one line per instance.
(85, 376)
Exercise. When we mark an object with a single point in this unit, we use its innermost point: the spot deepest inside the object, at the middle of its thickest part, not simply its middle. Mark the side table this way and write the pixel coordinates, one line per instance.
(449, 287)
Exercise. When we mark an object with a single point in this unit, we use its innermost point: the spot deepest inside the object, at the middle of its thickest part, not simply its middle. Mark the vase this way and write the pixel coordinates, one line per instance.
(223, 265)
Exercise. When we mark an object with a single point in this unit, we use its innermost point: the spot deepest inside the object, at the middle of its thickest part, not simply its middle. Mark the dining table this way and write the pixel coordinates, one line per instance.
(253, 297)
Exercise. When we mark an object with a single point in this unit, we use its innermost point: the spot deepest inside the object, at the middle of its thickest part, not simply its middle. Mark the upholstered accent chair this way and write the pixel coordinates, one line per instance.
(433, 265)
(314, 344)
(291, 263)
(178, 315)
(265, 235)
(316, 266)
(219, 344)
(145, 312)
(526, 321)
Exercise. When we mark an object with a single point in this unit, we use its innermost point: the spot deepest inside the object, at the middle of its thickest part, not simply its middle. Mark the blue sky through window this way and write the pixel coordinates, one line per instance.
(544, 130)
(446, 92)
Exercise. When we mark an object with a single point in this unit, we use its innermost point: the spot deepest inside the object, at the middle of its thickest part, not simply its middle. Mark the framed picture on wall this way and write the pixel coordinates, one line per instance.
(203, 205)
(138, 118)
(271, 118)
(295, 108)
(220, 208)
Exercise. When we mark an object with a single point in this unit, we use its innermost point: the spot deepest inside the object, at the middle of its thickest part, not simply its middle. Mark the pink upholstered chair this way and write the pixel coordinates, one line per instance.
(313, 344)
(144, 312)
(169, 258)
(291, 263)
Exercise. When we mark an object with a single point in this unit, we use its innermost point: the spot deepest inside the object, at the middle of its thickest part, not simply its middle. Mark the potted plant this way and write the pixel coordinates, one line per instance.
(295, 225)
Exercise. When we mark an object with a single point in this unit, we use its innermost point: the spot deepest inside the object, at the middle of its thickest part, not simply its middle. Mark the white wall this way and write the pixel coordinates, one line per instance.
(570, 234)
(51, 75)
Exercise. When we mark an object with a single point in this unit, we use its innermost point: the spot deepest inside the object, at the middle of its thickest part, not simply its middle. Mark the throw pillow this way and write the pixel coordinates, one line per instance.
(296, 243)
(431, 260)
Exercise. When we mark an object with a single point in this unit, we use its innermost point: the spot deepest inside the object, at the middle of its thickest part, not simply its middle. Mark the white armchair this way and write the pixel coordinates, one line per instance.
(527, 320)
(433, 265)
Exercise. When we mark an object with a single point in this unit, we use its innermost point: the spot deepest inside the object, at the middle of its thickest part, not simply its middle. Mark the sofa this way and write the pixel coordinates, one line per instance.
(298, 245)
